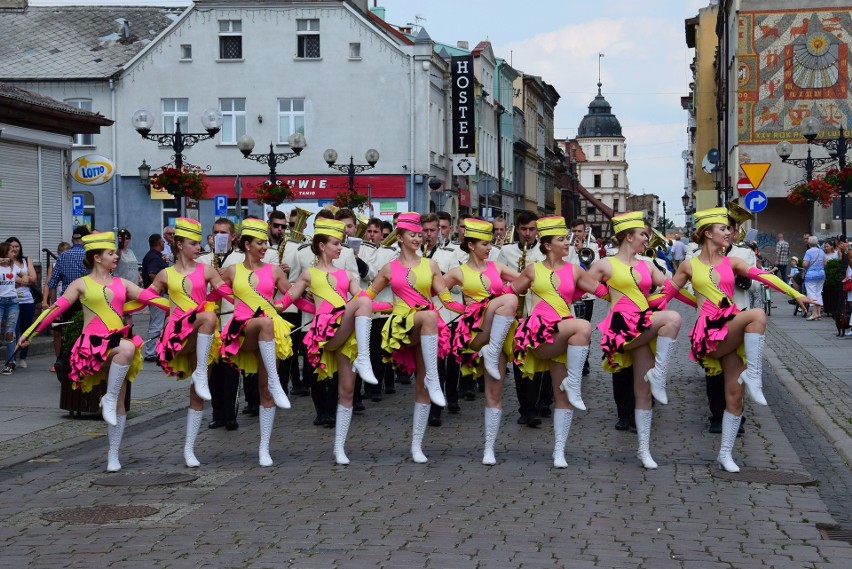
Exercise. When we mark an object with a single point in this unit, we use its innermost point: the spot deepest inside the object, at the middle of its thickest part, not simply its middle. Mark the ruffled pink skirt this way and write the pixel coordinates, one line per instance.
(468, 326)
(90, 353)
(711, 327)
(396, 340)
(536, 329)
(173, 340)
(618, 329)
(322, 329)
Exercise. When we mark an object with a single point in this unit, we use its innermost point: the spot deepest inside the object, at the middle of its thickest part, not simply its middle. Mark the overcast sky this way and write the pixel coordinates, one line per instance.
(644, 71)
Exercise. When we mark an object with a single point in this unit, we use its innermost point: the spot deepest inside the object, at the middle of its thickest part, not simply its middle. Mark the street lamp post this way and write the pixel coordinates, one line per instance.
(837, 149)
(143, 121)
(372, 156)
(810, 127)
(684, 199)
(721, 195)
(297, 143)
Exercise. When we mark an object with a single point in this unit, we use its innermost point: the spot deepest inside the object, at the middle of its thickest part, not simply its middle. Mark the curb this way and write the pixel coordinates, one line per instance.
(837, 437)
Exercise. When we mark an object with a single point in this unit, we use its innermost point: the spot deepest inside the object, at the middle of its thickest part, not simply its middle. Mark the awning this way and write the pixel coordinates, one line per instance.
(312, 187)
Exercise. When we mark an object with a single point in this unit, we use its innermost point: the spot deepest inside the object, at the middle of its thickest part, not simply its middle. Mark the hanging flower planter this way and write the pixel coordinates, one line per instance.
(189, 182)
(817, 190)
(350, 199)
(273, 193)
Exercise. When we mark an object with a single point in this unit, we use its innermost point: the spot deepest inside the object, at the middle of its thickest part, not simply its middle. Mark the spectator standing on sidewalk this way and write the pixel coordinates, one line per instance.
(152, 263)
(814, 265)
(678, 253)
(128, 264)
(25, 276)
(8, 305)
(782, 256)
(168, 245)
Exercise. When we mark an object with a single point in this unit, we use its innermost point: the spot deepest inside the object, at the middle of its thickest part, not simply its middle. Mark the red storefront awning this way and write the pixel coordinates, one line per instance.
(312, 187)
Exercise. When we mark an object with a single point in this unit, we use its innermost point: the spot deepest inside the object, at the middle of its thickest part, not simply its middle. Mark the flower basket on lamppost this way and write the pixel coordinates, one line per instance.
(350, 199)
(187, 181)
(817, 190)
(273, 193)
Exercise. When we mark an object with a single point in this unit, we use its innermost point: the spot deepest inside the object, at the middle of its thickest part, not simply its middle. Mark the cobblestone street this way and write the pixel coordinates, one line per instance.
(385, 511)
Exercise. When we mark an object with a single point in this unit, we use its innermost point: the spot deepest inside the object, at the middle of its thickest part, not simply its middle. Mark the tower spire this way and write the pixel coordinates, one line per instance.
(600, 55)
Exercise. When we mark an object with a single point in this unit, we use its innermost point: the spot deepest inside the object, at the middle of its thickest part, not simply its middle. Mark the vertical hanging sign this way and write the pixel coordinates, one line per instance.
(463, 127)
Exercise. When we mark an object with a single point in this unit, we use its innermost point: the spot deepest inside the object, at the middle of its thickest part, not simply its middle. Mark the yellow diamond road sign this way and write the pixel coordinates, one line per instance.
(755, 172)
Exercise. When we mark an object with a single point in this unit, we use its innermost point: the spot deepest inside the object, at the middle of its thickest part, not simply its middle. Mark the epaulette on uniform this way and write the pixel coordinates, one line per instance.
(303, 245)
(368, 244)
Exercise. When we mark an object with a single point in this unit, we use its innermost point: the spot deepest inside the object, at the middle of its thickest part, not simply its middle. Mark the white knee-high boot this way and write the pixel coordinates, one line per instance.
(571, 385)
(491, 351)
(730, 426)
(267, 419)
(199, 376)
(109, 402)
(643, 419)
(561, 427)
(362, 365)
(270, 362)
(429, 347)
(656, 376)
(114, 435)
(193, 424)
(421, 418)
(341, 429)
(753, 374)
(493, 415)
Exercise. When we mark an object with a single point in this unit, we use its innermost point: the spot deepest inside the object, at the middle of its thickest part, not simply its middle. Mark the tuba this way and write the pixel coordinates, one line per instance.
(297, 234)
(657, 240)
(390, 239)
(739, 214)
(586, 255)
(362, 225)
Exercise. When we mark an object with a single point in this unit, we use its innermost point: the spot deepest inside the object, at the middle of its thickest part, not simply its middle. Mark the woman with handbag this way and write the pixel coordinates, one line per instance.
(814, 264)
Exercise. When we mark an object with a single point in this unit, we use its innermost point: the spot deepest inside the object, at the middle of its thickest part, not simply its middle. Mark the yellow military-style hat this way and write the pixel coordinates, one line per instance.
(478, 229)
(255, 228)
(710, 216)
(551, 226)
(629, 220)
(188, 228)
(99, 241)
(331, 227)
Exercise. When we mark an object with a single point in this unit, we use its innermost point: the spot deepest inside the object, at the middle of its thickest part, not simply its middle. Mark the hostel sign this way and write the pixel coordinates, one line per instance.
(461, 75)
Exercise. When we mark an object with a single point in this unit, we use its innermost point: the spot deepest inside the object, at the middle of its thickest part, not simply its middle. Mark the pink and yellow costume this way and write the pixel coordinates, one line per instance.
(481, 288)
(253, 291)
(552, 288)
(412, 289)
(716, 286)
(330, 291)
(188, 296)
(629, 316)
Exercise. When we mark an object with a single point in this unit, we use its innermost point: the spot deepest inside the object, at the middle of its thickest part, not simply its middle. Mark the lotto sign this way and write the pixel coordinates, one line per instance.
(92, 170)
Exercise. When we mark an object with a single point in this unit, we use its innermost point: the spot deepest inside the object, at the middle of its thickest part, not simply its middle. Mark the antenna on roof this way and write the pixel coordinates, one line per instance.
(600, 55)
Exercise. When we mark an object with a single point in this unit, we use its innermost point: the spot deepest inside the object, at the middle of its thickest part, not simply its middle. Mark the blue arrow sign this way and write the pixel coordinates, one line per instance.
(221, 206)
(76, 204)
(756, 201)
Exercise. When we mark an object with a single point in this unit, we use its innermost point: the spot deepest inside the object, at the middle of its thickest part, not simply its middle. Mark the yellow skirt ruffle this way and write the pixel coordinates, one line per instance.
(249, 362)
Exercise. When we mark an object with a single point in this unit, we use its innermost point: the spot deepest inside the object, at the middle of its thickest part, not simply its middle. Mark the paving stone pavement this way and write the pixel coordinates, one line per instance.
(385, 511)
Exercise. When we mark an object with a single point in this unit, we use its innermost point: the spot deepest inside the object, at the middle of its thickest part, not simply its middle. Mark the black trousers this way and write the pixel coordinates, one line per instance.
(449, 376)
(716, 396)
(381, 369)
(288, 370)
(622, 393)
(587, 316)
(251, 390)
(529, 391)
(224, 387)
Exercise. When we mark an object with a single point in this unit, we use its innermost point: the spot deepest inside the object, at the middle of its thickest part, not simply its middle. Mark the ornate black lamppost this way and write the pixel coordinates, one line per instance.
(297, 143)
(330, 156)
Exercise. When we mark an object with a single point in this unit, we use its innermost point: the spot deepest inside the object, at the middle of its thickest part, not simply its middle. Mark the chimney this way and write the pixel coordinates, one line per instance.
(378, 11)
(461, 44)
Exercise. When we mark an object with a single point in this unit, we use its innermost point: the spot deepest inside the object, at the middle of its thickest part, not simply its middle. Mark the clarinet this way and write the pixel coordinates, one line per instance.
(522, 297)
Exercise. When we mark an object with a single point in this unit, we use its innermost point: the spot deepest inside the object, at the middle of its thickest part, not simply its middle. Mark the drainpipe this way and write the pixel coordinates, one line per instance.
(115, 161)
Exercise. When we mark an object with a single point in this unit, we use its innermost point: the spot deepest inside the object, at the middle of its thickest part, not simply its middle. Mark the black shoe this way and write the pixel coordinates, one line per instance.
(533, 422)
(390, 390)
(358, 408)
(376, 397)
(715, 426)
(150, 358)
(216, 424)
(544, 412)
(586, 370)
(301, 391)
(453, 407)
(330, 421)
(469, 396)
(622, 424)
(434, 421)
(319, 421)
(252, 410)
(232, 426)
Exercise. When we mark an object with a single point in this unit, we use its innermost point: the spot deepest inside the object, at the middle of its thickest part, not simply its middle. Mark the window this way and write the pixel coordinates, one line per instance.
(590, 210)
(174, 111)
(82, 139)
(232, 209)
(230, 39)
(354, 51)
(291, 118)
(307, 38)
(615, 204)
(170, 212)
(233, 120)
(597, 181)
(615, 180)
(186, 52)
(615, 150)
(597, 149)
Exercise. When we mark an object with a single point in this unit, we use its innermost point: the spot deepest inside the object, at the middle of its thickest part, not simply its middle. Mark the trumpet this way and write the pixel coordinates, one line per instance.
(522, 297)
(586, 255)
(657, 240)
(506, 238)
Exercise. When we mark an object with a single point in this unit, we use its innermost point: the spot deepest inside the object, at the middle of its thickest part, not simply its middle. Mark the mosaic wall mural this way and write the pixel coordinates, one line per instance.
(792, 65)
